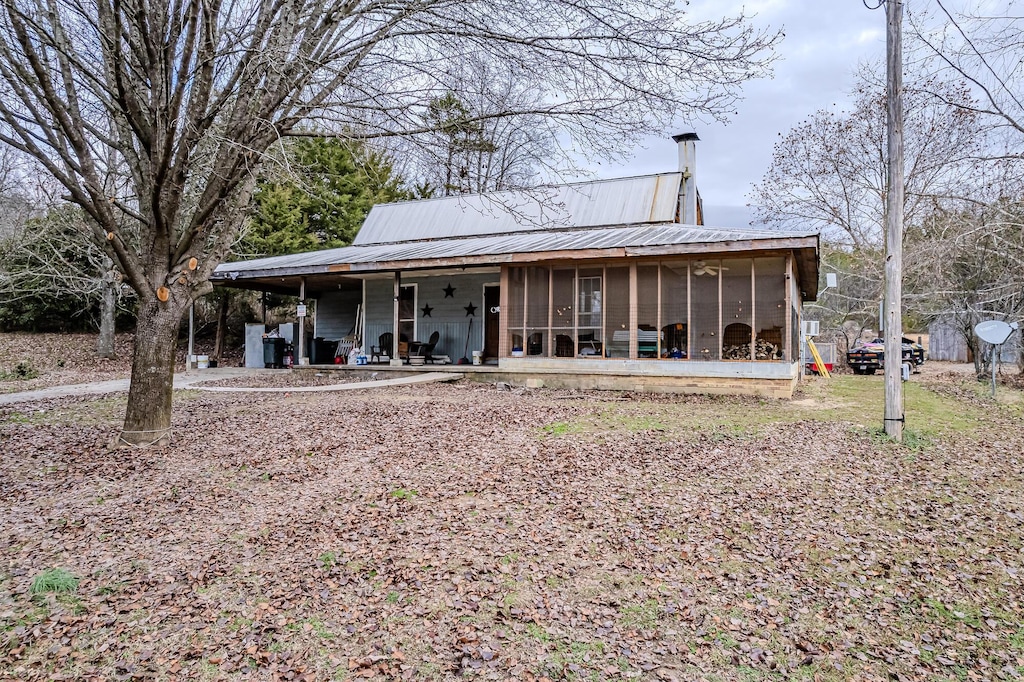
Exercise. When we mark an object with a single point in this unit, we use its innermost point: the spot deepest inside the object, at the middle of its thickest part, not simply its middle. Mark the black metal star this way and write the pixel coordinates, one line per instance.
(449, 291)
(471, 310)
(427, 310)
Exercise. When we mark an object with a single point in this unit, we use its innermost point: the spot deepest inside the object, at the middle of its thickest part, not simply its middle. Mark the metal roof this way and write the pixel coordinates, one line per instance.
(623, 201)
(368, 258)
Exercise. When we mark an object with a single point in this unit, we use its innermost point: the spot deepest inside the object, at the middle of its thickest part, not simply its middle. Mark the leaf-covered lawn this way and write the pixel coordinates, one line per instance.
(447, 531)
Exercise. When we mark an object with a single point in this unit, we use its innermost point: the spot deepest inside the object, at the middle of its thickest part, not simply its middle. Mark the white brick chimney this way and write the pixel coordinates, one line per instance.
(688, 198)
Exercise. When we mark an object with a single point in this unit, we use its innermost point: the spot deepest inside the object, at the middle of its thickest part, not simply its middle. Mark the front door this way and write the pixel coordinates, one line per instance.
(492, 313)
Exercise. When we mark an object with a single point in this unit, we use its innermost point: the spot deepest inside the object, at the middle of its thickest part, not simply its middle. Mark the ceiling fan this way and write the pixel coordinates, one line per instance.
(702, 268)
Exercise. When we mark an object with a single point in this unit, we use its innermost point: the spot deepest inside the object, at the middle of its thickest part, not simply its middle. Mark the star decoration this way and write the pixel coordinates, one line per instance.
(427, 310)
(449, 291)
(471, 310)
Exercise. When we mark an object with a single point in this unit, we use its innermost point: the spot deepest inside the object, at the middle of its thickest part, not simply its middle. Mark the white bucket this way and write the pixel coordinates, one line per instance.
(478, 357)
(203, 361)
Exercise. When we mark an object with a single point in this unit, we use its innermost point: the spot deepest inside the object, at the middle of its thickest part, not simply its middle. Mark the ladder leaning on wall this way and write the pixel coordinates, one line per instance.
(819, 364)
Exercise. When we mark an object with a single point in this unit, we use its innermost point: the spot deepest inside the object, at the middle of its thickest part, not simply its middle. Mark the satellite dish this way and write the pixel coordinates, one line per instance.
(995, 332)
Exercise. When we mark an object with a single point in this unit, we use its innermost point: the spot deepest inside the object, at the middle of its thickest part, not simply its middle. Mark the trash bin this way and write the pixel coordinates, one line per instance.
(323, 351)
(273, 352)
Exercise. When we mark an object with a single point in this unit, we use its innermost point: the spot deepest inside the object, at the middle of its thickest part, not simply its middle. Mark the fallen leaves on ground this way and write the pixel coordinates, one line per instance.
(285, 378)
(57, 359)
(445, 531)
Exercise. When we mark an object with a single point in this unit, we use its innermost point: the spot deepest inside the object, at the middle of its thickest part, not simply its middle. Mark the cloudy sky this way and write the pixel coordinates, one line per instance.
(825, 40)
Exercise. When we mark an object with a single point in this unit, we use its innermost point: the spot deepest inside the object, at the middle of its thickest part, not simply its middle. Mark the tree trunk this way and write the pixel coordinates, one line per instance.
(974, 350)
(148, 419)
(108, 313)
(222, 325)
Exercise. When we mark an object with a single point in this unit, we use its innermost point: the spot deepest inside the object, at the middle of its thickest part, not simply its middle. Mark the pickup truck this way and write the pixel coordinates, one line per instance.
(867, 358)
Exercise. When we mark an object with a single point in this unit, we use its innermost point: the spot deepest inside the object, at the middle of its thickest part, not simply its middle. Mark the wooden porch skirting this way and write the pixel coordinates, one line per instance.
(769, 379)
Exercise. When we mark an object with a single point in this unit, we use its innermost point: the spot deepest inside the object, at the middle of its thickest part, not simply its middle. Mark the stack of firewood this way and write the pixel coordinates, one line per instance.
(762, 351)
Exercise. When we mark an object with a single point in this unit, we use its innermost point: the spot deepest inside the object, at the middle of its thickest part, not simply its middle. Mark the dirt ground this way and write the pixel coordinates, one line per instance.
(459, 531)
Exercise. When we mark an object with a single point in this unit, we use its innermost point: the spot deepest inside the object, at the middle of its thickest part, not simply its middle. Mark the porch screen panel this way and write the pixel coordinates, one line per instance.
(769, 307)
(704, 312)
(674, 318)
(537, 328)
(648, 335)
(737, 309)
(796, 341)
(516, 292)
(589, 306)
(616, 337)
(563, 293)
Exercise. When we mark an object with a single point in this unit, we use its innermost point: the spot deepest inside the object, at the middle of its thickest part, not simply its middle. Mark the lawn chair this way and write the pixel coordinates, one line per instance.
(385, 346)
(427, 349)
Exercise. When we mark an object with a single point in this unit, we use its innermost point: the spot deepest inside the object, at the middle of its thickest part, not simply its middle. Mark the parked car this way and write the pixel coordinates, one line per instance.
(867, 358)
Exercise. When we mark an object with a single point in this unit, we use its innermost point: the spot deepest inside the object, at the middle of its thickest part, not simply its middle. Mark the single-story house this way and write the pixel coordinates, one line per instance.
(601, 284)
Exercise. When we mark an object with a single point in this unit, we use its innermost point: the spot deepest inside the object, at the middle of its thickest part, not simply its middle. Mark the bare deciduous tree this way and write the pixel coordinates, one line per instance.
(980, 45)
(966, 266)
(46, 258)
(178, 99)
(830, 170)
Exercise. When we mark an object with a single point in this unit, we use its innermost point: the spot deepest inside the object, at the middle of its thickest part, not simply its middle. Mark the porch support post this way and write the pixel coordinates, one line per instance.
(300, 353)
(504, 349)
(395, 360)
(634, 314)
(788, 341)
(753, 311)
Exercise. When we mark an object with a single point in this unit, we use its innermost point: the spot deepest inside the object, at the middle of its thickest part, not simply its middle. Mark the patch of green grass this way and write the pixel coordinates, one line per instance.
(327, 560)
(319, 629)
(239, 623)
(560, 429)
(1016, 640)
(26, 618)
(538, 633)
(403, 494)
(393, 597)
(54, 581)
(957, 613)
(569, 661)
(640, 616)
(929, 415)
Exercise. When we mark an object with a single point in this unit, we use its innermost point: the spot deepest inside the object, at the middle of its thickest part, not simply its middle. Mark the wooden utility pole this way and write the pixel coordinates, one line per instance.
(894, 417)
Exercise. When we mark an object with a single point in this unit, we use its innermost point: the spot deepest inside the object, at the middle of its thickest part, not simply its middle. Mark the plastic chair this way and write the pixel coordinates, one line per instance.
(385, 346)
(427, 349)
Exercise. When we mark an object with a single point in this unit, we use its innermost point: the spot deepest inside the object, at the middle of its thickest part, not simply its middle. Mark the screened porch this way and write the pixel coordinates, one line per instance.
(673, 309)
